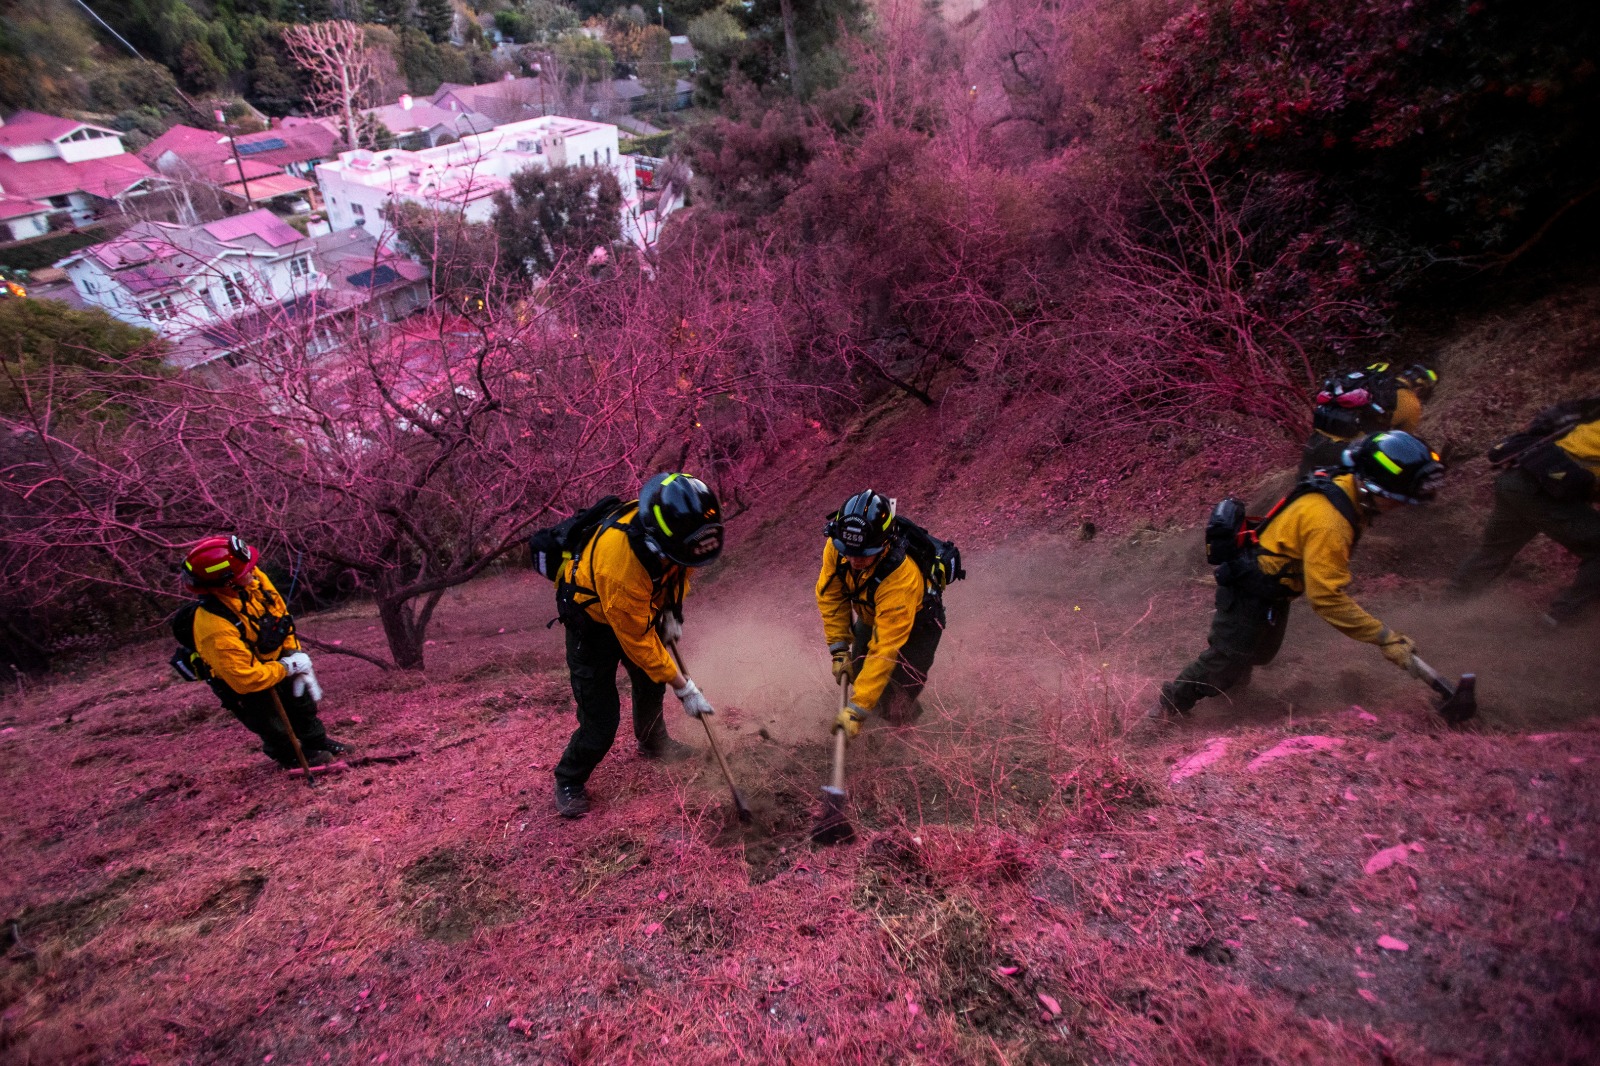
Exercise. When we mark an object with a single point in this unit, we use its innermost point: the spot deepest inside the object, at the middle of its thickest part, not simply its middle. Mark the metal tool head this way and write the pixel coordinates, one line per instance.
(1461, 704)
(832, 826)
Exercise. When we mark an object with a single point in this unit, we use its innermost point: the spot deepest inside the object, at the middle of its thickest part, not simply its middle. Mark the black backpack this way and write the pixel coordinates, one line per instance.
(186, 660)
(1230, 533)
(552, 547)
(1535, 450)
(939, 562)
(1354, 402)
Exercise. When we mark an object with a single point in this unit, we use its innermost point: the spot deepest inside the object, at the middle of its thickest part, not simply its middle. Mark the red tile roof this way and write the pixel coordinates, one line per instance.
(13, 208)
(106, 178)
(264, 152)
(258, 223)
(30, 127)
(187, 142)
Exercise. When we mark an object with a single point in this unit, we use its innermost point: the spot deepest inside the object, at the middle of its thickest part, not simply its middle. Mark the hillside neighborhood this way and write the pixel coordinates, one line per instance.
(820, 532)
(229, 234)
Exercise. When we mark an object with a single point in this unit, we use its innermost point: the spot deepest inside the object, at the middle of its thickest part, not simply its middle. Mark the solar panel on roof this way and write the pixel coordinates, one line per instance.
(271, 144)
(372, 279)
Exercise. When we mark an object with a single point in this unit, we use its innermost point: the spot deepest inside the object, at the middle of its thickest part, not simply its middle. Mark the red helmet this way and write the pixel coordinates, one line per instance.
(219, 560)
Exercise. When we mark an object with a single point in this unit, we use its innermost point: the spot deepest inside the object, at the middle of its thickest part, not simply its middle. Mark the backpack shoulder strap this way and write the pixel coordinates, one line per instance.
(1328, 490)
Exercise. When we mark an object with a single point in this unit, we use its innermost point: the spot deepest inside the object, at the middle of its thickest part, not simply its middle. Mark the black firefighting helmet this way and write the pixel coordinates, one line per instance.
(863, 525)
(1419, 378)
(681, 519)
(1396, 465)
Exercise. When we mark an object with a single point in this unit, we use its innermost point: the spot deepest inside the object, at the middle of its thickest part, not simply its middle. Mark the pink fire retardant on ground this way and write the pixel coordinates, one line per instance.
(1294, 746)
(1190, 765)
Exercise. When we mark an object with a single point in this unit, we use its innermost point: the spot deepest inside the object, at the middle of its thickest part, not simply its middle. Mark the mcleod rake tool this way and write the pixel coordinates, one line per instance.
(833, 825)
(1460, 701)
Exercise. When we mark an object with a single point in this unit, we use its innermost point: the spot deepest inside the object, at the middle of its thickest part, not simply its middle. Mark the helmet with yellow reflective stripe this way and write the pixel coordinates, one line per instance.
(863, 526)
(1396, 465)
(681, 519)
(218, 561)
(1419, 378)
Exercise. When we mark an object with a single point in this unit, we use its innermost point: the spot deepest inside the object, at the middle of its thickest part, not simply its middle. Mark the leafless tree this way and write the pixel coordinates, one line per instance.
(341, 65)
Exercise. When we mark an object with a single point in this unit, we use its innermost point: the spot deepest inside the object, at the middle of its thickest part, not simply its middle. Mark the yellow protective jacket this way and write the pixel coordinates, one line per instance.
(891, 613)
(1583, 445)
(218, 641)
(616, 590)
(1308, 546)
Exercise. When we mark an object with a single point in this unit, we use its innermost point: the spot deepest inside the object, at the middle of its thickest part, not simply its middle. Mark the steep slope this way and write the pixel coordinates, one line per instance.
(1315, 871)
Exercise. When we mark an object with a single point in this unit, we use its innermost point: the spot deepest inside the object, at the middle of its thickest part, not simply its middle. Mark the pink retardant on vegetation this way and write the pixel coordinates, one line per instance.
(1294, 746)
(1389, 857)
(1190, 765)
(1389, 943)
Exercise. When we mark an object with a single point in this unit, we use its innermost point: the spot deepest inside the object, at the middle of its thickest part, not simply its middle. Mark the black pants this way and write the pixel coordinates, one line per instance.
(910, 676)
(1322, 451)
(593, 656)
(1522, 510)
(1246, 631)
(256, 711)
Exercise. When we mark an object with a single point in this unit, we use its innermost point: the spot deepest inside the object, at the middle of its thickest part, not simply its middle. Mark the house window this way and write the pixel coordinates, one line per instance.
(300, 266)
(608, 157)
(234, 287)
(160, 309)
(583, 160)
(358, 210)
(60, 201)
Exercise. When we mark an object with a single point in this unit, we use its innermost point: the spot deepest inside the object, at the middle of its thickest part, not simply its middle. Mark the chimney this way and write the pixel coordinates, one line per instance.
(405, 101)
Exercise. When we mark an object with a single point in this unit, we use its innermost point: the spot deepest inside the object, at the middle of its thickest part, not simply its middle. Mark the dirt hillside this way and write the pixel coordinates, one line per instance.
(1314, 871)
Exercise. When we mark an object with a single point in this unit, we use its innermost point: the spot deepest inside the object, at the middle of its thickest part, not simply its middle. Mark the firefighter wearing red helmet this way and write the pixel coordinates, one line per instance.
(240, 639)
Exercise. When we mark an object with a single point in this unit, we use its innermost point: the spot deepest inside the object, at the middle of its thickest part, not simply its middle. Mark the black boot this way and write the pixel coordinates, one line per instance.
(333, 747)
(666, 750)
(571, 801)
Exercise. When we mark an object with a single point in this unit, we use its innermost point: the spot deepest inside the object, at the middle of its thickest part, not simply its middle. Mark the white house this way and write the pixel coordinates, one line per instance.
(215, 288)
(50, 165)
(465, 176)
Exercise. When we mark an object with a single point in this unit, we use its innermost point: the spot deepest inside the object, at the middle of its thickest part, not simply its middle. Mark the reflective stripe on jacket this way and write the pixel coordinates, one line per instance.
(625, 598)
(219, 644)
(1309, 545)
(893, 609)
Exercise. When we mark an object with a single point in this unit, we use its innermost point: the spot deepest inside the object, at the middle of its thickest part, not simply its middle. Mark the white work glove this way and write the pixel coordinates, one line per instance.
(670, 628)
(694, 702)
(298, 663)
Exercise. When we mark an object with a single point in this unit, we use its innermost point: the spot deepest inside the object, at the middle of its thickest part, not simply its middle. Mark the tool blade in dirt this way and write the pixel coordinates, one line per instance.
(833, 826)
(1460, 700)
(740, 807)
(1461, 704)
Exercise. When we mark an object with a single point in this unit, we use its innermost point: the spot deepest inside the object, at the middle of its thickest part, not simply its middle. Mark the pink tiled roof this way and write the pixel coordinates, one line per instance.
(14, 208)
(189, 143)
(30, 127)
(259, 223)
(107, 178)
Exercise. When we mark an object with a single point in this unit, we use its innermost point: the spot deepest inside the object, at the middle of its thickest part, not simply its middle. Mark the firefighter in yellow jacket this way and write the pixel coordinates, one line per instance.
(621, 602)
(1305, 549)
(244, 635)
(880, 617)
(1370, 400)
(1549, 485)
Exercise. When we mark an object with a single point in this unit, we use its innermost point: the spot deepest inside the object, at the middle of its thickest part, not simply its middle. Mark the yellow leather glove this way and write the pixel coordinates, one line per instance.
(1397, 648)
(841, 662)
(849, 720)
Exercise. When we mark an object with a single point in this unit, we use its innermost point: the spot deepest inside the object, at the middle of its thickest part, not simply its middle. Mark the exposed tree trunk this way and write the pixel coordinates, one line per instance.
(790, 48)
(403, 633)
